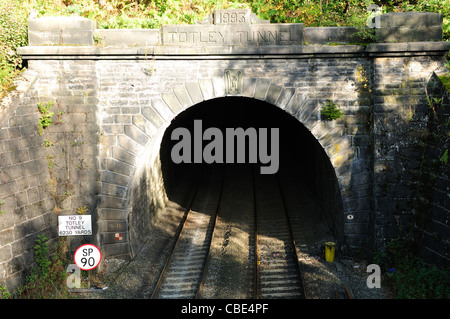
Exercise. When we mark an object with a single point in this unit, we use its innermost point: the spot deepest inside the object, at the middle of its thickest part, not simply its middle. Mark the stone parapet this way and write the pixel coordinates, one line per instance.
(409, 27)
(61, 30)
(196, 52)
(113, 98)
(235, 28)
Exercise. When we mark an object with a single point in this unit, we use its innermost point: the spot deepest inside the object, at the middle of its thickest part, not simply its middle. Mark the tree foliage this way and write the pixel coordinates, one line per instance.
(111, 14)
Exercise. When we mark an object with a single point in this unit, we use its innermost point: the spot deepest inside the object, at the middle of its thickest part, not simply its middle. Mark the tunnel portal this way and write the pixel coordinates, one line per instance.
(114, 102)
(304, 176)
(228, 219)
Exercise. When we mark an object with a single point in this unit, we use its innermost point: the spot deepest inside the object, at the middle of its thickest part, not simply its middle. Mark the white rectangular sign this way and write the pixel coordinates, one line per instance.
(73, 225)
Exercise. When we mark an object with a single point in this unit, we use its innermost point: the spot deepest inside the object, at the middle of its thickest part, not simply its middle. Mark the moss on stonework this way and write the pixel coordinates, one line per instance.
(445, 79)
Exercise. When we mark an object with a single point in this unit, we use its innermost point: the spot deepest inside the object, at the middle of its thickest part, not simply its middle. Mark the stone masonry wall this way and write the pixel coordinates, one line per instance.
(305, 84)
(111, 105)
(410, 182)
(43, 176)
(108, 114)
(434, 234)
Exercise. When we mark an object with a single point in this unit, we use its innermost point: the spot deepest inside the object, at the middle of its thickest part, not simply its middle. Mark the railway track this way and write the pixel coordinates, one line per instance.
(277, 270)
(183, 270)
(252, 248)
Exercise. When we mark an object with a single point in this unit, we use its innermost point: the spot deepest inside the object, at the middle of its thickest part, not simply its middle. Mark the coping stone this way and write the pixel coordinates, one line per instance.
(61, 30)
(409, 27)
(128, 37)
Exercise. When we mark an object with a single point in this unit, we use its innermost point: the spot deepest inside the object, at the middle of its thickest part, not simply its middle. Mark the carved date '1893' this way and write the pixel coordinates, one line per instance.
(231, 17)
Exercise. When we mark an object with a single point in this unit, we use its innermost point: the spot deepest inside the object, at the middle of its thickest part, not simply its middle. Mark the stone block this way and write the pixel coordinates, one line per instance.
(262, 86)
(114, 190)
(119, 167)
(30, 168)
(307, 109)
(142, 124)
(295, 103)
(161, 108)
(207, 88)
(61, 30)
(323, 35)
(233, 16)
(5, 255)
(183, 96)
(122, 155)
(410, 19)
(195, 92)
(233, 34)
(172, 102)
(285, 96)
(130, 145)
(410, 27)
(273, 93)
(115, 249)
(128, 37)
(152, 116)
(112, 177)
(112, 214)
(219, 87)
(248, 87)
(111, 202)
(135, 134)
(403, 34)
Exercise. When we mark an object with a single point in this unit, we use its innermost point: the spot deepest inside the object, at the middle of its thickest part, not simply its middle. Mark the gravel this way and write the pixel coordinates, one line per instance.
(135, 279)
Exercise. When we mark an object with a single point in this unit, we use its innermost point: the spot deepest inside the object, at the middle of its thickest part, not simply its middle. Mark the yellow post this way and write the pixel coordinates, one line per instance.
(329, 251)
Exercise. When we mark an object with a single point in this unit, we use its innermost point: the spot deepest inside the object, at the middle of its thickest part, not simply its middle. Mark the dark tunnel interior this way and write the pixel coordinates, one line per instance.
(301, 157)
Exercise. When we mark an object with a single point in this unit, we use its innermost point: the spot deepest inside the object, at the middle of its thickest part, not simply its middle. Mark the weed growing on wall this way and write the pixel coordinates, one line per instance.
(4, 293)
(46, 116)
(441, 123)
(48, 278)
(2, 203)
(58, 188)
(408, 276)
(145, 14)
(81, 210)
(331, 111)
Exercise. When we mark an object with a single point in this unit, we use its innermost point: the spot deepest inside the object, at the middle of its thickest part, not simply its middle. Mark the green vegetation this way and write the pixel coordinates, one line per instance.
(445, 79)
(4, 293)
(112, 14)
(13, 34)
(81, 210)
(2, 203)
(46, 116)
(48, 278)
(330, 111)
(408, 276)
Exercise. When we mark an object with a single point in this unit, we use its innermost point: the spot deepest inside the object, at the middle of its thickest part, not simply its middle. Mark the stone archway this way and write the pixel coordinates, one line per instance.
(136, 150)
(183, 99)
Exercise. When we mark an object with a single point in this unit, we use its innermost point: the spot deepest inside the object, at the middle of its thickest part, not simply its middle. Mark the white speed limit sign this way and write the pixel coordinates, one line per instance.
(87, 257)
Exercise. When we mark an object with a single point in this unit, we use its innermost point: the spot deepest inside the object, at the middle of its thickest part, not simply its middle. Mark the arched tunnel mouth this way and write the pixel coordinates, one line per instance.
(236, 211)
(301, 158)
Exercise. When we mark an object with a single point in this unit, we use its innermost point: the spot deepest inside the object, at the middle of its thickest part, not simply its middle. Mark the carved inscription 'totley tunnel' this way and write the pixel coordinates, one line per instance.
(266, 34)
(233, 27)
